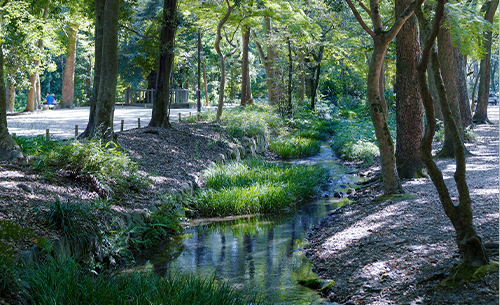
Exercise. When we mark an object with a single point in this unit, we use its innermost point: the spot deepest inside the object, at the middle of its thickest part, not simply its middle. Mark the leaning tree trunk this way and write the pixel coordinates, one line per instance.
(409, 109)
(469, 243)
(316, 74)
(98, 40)
(68, 84)
(106, 98)
(481, 113)
(161, 107)
(9, 150)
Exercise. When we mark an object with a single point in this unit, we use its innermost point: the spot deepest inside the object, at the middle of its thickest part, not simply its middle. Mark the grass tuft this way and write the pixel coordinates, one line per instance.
(255, 186)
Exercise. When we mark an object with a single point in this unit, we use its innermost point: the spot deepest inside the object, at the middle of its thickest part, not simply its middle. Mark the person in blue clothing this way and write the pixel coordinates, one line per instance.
(49, 100)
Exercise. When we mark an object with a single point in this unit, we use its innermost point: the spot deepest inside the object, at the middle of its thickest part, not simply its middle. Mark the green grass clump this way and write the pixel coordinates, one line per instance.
(295, 147)
(66, 282)
(255, 186)
(355, 140)
(250, 121)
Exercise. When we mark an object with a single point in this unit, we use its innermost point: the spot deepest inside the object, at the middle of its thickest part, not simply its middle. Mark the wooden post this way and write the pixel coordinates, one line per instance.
(121, 125)
(189, 113)
(14, 135)
(179, 116)
(138, 122)
(76, 131)
(47, 134)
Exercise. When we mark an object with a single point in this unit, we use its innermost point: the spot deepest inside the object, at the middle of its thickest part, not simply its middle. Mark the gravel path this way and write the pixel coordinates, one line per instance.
(396, 252)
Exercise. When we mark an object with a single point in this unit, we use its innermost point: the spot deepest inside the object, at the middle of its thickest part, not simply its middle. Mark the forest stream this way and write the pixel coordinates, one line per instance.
(259, 252)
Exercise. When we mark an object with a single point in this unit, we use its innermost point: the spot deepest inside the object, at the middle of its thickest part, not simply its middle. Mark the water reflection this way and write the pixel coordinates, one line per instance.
(258, 252)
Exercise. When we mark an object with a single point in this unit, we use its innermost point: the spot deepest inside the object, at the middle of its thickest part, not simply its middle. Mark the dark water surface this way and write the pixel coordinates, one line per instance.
(262, 252)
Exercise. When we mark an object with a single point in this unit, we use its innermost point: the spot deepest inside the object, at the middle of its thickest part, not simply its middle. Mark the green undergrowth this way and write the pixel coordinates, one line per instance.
(255, 186)
(112, 167)
(355, 140)
(293, 147)
(67, 282)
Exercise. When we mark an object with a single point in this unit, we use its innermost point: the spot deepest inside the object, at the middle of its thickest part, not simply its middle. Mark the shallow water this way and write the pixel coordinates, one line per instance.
(260, 252)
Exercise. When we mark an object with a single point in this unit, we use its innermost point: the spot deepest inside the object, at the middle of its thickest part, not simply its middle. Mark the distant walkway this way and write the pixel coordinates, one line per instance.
(61, 122)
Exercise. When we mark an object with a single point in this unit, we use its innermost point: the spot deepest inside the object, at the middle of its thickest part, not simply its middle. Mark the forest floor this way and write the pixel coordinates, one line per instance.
(398, 252)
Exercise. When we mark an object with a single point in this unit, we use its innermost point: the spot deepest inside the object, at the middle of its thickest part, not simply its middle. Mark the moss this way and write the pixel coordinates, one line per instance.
(327, 286)
(394, 197)
(466, 274)
(313, 283)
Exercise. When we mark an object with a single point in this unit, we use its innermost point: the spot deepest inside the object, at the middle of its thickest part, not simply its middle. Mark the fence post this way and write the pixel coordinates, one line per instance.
(138, 122)
(121, 125)
(76, 131)
(47, 134)
(179, 116)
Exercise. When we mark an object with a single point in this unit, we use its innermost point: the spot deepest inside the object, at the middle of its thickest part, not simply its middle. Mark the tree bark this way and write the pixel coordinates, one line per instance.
(246, 93)
(106, 98)
(469, 243)
(98, 40)
(161, 107)
(463, 92)
(409, 108)
(205, 84)
(481, 113)
(11, 96)
(447, 55)
(316, 72)
(68, 81)
(9, 150)
(290, 75)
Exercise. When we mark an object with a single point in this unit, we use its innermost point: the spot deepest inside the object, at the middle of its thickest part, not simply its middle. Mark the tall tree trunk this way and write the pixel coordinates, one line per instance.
(290, 75)
(447, 55)
(30, 103)
(11, 96)
(106, 98)
(98, 40)
(68, 82)
(381, 85)
(161, 107)
(469, 243)
(9, 150)
(245, 73)
(222, 60)
(316, 74)
(409, 108)
(463, 92)
(205, 84)
(88, 82)
(392, 184)
(481, 113)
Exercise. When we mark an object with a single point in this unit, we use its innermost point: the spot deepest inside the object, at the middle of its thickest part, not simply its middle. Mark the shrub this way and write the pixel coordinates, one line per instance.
(355, 141)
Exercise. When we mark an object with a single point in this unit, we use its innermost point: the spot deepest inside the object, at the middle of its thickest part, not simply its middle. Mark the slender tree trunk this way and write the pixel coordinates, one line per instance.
(409, 108)
(11, 96)
(473, 98)
(316, 74)
(481, 113)
(98, 38)
(161, 107)
(245, 90)
(68, 85)
(205, 83)
(88, 82)
(469, 243)
(392, 184)
(9, 150)
(222, 61)
(290, 75)
(106, 98)
(30, 103)
(381, 84)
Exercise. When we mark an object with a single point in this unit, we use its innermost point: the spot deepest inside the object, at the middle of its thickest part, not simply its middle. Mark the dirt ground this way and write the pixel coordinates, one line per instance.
(397, 252)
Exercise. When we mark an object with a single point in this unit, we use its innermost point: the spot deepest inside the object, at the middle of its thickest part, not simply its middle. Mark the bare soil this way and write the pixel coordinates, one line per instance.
(398, 251)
